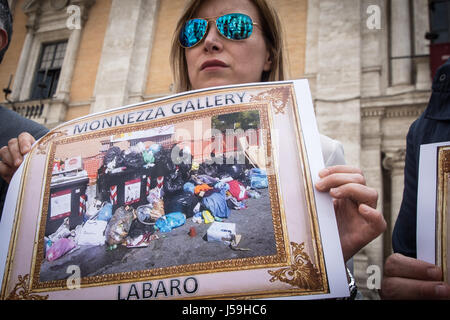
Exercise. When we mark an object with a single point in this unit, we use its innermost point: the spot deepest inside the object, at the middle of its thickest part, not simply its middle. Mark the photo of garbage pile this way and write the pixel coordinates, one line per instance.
(153, 206)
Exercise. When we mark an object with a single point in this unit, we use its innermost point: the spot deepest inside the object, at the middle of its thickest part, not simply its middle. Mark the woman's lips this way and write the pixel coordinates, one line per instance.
(213, 65)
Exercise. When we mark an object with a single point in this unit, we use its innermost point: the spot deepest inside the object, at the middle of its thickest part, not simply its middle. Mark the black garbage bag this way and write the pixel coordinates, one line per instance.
(185, 171)
(137, 228)
(114, 153)
(210, 169)
(111, 154)
(163, 163)
(182, 158)
(184, 202)
(173, 182)
(134, 160)
(236, 171)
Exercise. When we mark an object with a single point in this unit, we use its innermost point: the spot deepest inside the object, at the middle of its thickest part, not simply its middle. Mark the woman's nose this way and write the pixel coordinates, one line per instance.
(213, 40)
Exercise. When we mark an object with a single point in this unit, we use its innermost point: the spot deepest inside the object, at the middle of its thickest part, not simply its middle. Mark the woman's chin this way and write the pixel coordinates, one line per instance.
(214, 83)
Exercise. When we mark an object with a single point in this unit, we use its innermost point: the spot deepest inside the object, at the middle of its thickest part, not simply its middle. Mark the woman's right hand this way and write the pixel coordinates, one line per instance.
(359, 222)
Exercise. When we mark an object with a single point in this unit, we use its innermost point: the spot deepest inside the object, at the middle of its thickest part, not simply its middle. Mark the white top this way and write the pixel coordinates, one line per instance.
(332, 151)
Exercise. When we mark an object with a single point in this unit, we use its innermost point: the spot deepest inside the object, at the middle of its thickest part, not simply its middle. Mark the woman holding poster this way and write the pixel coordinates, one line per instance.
(221, 43)
(240, 41)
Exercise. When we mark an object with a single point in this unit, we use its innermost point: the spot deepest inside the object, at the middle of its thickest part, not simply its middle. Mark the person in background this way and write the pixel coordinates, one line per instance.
(406, 277)
(17, 134)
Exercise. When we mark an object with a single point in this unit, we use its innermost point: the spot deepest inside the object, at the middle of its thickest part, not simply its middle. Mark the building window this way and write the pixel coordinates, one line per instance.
(439, 21)
(48, 70)
(439, 34)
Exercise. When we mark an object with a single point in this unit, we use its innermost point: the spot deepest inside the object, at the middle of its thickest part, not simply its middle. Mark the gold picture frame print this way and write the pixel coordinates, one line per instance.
(443, 207)
(278, 249)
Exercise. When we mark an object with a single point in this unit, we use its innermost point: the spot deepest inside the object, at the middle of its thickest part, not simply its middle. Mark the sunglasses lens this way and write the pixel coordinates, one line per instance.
(192, 32)
(235, 26)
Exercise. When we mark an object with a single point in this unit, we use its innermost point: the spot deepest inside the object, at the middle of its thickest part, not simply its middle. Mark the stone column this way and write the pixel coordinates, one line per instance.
(25, 54)
(125, 54)
(394, 161)
(65, 80)
(61, 98)
(312, 42)
(371, 140)
(338, 67)
(421, 45)
(400, 43)
(372, 53)
(142, 50)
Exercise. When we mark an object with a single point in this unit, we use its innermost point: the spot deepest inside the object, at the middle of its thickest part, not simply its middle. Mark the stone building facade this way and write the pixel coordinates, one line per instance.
(367, 62)
(370, 80)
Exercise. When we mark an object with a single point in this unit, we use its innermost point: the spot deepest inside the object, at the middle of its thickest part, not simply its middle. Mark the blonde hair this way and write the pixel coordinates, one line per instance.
(273, 34)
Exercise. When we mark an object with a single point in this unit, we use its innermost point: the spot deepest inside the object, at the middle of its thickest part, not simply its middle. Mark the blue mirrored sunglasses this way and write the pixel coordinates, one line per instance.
(233, 26)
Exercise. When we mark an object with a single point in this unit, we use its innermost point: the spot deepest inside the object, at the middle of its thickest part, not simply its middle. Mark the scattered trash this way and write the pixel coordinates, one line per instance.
(62, 232)
(202, 188)
(173, 182)
(157, 209)
(221, 232)
(141, 241)
(148, 156)
(216, 203)
(195, 166)
(184, 202)
(192, 232)
(207, 217)
(119, 225)
(60, 248)
(134, 160)
(253, 194)
(234, 204)
(235, 242)
(105, 213)
(223, 186)
(204, 179)
(92, 210)
(164, 192)
(48, 243)
(137, 229)
(258, 178)
(92, 233)
(197, 218)
(154, 195)
(155, 148)
(189, 187)
(238, 190)
(170, 221)
(144, 214)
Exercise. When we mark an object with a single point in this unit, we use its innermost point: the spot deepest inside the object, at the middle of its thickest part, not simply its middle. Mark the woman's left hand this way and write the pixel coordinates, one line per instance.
(355, 205)
(11, 156)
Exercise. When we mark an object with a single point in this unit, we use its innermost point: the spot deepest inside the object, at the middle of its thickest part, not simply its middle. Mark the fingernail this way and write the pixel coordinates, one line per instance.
(334, 192)
(434, 273)
(323, 172)
(17, 162)
(441, 290)
(364, 209)
(319, 185)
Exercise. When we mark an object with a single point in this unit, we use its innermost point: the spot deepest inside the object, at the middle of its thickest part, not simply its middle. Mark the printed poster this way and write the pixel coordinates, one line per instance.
(203, 194)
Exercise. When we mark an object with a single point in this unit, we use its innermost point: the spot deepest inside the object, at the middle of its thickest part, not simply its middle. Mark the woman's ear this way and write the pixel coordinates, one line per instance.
(3, 39)
(268, 62)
